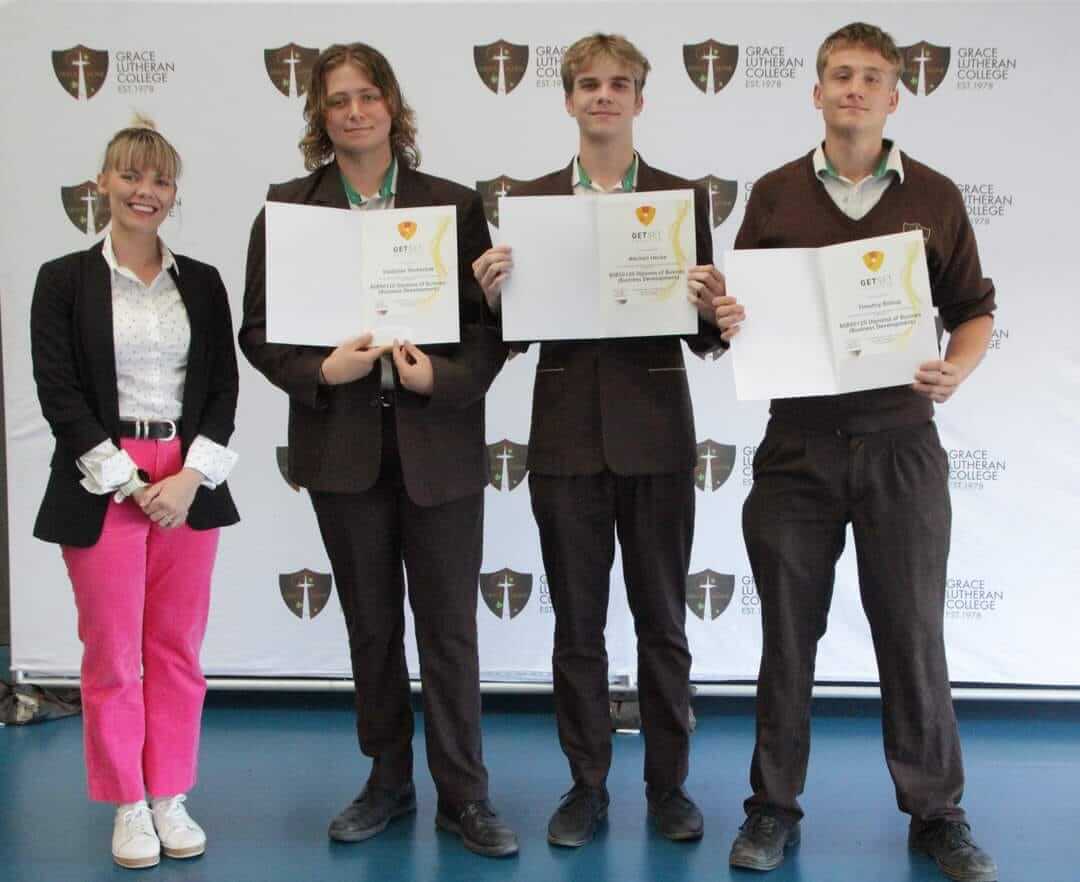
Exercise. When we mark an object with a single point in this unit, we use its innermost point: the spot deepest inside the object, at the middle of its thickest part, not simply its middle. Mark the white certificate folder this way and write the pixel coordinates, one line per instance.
(595, 267)
(334, 274)
(825, 321)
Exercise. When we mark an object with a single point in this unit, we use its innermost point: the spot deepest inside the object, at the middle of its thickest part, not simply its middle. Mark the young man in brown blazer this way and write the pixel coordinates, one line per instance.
(389, 442)
(612, 450)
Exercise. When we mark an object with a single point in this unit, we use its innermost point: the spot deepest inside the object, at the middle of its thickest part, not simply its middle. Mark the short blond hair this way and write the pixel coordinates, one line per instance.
(864, 36)
(141, 146)
(615, 46)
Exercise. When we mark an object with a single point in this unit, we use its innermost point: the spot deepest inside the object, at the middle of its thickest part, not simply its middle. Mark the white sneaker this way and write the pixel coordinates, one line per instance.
(180, 836)
(134, 842)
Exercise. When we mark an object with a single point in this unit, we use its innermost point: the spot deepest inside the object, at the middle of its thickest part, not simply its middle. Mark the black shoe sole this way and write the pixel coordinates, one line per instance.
(746, 863)
(369, 832)
(988, 876)
(563, 842)
(448, 825)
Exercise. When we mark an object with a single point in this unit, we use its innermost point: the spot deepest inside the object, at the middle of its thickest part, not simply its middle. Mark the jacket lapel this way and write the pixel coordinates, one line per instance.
(97, 318)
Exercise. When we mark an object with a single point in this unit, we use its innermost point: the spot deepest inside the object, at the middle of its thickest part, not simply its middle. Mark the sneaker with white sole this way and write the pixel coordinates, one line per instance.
(180, 836)
(134, 843)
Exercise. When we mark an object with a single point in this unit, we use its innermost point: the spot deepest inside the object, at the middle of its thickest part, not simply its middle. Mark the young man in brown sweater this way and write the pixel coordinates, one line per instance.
(871, 459)
(611, 451)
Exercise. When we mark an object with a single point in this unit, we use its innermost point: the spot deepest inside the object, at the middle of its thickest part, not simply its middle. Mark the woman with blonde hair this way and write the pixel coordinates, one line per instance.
(136, 375)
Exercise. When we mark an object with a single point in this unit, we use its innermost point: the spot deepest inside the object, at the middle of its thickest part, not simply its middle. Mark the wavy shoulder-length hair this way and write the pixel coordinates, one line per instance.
(316, 145)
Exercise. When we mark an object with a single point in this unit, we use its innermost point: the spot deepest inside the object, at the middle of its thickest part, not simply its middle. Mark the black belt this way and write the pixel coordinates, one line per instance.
(150, 430)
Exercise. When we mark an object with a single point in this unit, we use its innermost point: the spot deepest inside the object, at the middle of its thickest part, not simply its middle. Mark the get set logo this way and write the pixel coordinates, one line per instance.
(974, 468)
(711, 65)
(289, 68)
(926, 67)
(82, 71)
(971, 599)
(714, 464)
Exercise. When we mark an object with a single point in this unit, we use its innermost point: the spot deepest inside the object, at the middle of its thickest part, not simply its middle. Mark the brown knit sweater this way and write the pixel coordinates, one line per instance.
(789, 208)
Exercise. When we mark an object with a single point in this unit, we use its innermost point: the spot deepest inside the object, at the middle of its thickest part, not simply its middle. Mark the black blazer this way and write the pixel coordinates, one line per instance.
(621, 404)
(335, 432)
(71, 341)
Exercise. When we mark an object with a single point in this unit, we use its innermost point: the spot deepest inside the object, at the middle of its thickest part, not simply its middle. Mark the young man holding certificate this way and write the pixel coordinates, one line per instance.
(612, 451)
(871, 459)
(390, 443)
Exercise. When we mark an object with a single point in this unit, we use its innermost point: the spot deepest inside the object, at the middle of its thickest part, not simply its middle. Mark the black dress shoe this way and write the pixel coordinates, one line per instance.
(958, 857)
(761, 842)
(676, 816)
(575, 820)
(479, 828)
(371, 811)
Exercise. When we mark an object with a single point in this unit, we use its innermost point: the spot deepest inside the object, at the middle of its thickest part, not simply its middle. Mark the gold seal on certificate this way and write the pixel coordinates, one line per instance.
(332, 275)
(644, 246)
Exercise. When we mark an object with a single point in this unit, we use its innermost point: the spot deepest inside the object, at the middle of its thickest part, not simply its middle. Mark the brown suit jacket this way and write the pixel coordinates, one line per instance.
(618, 404)
(335, 432)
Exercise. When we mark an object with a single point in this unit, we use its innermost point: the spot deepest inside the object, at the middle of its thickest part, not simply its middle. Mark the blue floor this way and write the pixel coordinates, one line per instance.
(275, 768)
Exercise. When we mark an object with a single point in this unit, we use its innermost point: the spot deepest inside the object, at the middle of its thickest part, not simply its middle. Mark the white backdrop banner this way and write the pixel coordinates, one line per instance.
(988, 102)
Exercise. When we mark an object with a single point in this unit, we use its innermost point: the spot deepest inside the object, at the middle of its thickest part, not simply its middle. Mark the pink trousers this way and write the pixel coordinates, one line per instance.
(143, 597)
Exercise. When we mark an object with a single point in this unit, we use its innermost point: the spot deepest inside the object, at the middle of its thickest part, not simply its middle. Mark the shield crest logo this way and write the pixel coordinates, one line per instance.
(86, 208)
(645, 214)
(283, 466)
(305, 583)
(722, 197)
(506, 464)
(917, 226)
(925, 66)
(289, 68)
(81, 70)
(714, 464)
(501, 65)
(874, 260)
(710, 65)
(490, 191)
(708, 593)
(506, 593)
(407, 229)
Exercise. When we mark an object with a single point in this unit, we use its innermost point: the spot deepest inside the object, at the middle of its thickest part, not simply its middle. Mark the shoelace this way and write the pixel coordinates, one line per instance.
(957, 836)
(137, 820)
(765, 824)
(176, 812)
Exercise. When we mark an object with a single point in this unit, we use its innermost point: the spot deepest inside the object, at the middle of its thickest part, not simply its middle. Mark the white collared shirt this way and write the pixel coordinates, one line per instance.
(856, 199)
(582, 184)
(151, 337)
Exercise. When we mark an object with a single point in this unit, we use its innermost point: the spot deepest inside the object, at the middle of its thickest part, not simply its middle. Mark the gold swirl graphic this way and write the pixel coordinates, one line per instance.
(437, 261)
(676, 247)
(908, 282)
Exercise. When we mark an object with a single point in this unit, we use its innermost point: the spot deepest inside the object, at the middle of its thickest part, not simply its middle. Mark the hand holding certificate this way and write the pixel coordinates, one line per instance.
(331, 274)
(824, 321)
(603, 267)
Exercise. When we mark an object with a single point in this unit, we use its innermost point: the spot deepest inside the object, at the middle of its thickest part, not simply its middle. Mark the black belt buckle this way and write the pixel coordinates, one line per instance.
(385, 398)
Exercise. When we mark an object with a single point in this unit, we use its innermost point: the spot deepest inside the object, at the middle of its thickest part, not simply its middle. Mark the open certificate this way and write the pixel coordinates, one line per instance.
(595, 267)
(333, 274)
(824, 321)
